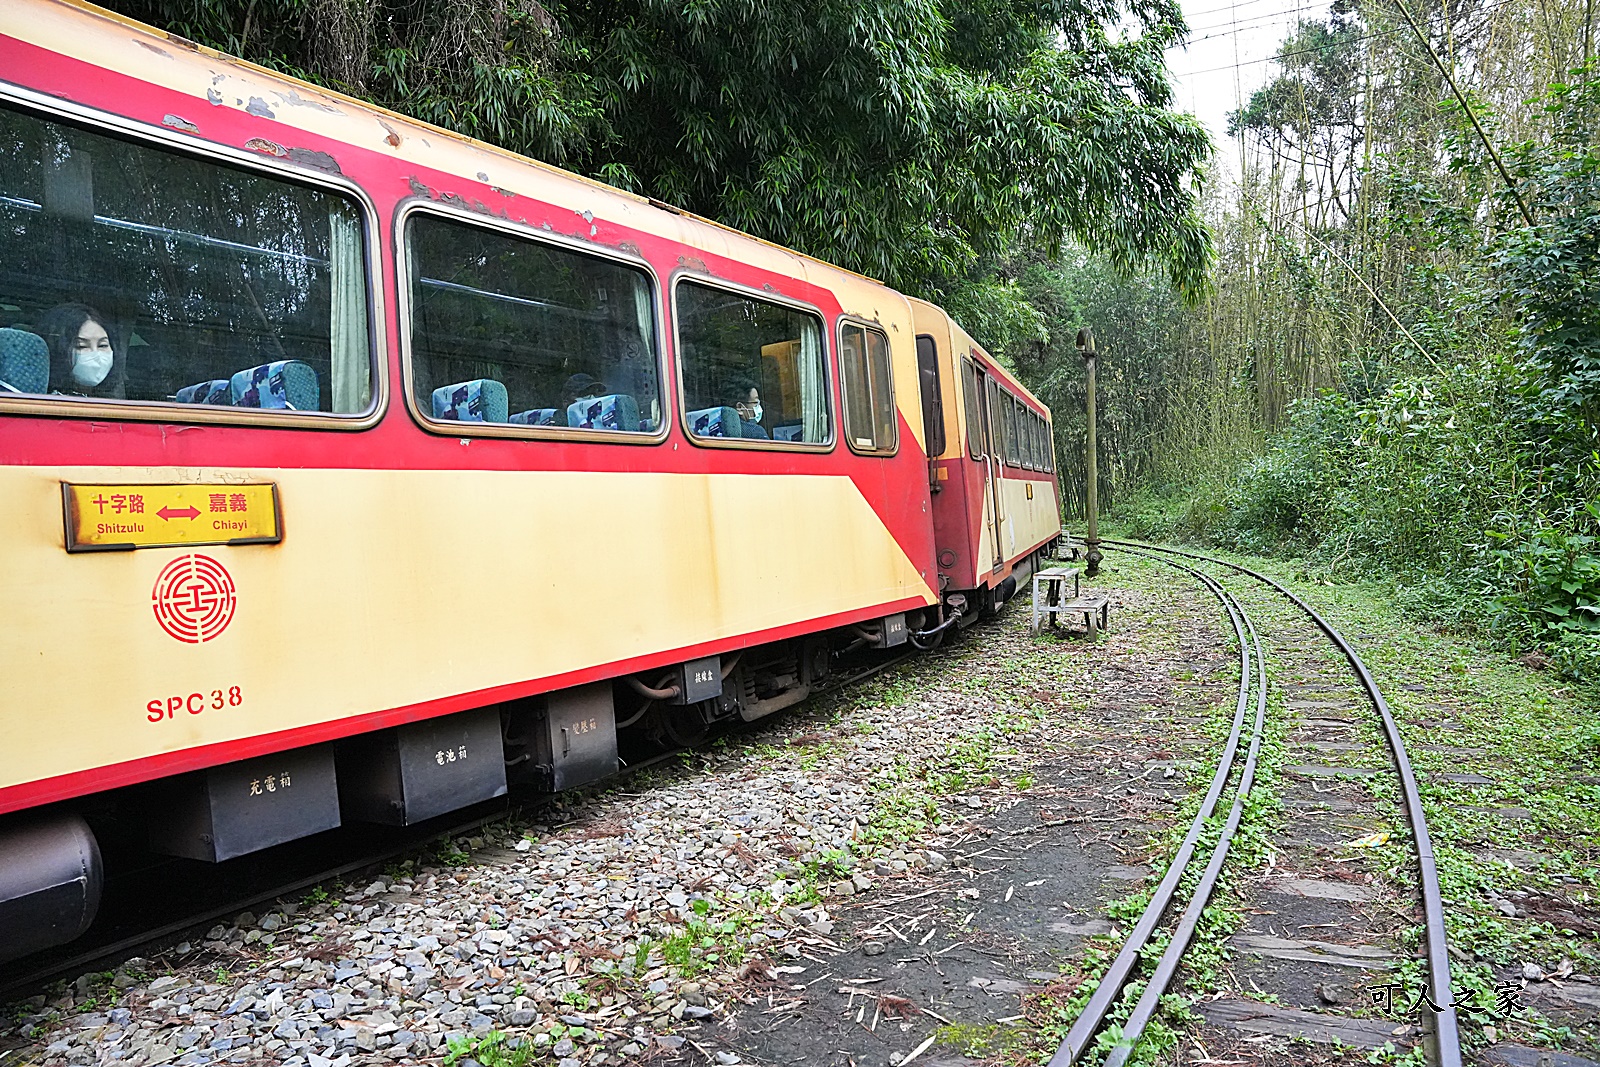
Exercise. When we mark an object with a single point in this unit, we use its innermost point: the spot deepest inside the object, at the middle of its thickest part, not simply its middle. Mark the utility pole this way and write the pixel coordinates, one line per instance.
(1091, 541)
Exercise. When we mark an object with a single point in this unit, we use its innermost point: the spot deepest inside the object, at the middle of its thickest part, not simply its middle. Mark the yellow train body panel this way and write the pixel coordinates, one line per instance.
(394, 588)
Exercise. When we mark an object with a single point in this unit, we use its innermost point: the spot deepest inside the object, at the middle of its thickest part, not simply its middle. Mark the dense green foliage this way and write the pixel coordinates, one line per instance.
(1407, 368)
(1483, 477)
(907, 139)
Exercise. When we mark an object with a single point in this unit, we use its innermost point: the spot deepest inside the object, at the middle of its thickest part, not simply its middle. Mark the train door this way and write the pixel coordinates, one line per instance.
(983, 438)
(1000, 439)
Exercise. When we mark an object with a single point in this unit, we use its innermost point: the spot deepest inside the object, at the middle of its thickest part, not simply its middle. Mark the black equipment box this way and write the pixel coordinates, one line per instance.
(894, 630)
(245, 806)
(414, 772)
(701, 680)
(574, 740)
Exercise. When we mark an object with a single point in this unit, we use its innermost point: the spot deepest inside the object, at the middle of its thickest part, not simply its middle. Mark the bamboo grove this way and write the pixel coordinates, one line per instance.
(1396, 369)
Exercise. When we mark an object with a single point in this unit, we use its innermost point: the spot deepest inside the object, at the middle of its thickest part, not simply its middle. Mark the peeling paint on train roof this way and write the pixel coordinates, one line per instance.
(294, 99)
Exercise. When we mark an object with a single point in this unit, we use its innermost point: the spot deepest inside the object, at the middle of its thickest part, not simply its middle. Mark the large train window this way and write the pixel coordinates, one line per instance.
(133, 274)
(972, 401)
(753, 369)
(870, 421)
(932, 398)
(526, 335)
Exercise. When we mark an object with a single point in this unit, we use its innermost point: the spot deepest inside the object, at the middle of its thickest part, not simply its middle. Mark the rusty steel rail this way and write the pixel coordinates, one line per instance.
(1447, 1037)
(1094, 1013)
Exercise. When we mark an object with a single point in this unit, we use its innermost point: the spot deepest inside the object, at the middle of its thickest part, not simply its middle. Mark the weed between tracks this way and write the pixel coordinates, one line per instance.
(1518, 853)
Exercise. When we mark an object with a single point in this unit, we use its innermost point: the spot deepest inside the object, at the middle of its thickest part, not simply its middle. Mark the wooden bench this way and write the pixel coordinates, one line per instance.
(1050, 600)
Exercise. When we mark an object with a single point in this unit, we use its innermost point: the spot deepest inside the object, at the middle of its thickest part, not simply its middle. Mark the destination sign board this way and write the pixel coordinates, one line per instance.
(104, 518)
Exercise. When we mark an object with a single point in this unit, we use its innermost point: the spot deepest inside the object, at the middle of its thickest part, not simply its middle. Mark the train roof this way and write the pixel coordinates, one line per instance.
(993, 365)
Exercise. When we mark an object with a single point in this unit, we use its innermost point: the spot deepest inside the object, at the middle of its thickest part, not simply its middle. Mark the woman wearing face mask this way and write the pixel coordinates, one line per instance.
(743, 396)
(83, 360)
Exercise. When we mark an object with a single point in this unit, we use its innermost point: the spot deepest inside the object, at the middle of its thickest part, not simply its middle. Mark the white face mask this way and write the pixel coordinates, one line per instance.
(89, 369)
(755, 412)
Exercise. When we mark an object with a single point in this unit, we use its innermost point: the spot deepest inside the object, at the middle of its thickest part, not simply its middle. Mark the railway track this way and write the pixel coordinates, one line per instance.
(123, 937)
(1247, 732)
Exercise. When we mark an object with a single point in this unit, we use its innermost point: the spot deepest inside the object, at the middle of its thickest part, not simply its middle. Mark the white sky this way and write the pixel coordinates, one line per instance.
(1227, 59)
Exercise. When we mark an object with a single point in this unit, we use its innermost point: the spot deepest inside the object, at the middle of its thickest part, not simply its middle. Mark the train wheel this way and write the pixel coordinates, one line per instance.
(678, 725)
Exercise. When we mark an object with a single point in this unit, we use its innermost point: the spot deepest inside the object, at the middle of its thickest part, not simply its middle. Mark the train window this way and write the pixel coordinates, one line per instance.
(753, 369)
(972, 402)
(1049, 448)
(1013, 432)
(1033, 438)
(870, 420)
(932, 399)
(154, 276)
(528, 334)
(997, 422)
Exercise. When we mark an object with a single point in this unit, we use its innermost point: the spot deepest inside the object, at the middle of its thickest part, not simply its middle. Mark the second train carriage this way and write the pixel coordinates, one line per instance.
(350, 469)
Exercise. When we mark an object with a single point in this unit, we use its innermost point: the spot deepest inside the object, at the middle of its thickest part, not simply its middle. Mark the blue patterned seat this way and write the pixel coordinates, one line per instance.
(218, 391)
(480, 400)
(618, 411)
(536, 417)
(716, 422)
(24, 362)
(286, 384)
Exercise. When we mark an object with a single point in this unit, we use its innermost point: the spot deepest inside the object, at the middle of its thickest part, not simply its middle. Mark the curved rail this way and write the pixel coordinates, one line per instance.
(1111, 983)
(1167, 966)
(1447, 1031)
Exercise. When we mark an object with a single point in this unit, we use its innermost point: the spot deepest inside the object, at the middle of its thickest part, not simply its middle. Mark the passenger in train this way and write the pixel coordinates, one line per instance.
(742, 395)
(83, 358)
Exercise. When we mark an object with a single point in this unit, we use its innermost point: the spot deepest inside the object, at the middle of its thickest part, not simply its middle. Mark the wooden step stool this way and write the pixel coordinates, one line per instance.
(1052, 583)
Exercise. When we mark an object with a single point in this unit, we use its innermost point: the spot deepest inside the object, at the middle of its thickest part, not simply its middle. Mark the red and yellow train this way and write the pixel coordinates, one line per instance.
(350, 468)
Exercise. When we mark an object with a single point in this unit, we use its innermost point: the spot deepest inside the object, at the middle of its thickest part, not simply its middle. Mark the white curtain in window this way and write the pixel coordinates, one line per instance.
(813, 386)
(644, 316)
(351, 365)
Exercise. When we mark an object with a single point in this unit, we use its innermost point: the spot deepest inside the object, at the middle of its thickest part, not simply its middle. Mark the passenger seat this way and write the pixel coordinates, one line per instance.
(480, 400)
(618, 411)
(716, 422)
(216, 391)
(287, 384)
(24, 362)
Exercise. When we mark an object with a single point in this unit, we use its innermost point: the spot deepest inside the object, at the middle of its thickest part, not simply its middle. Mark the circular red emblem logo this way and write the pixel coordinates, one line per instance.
(194, 598)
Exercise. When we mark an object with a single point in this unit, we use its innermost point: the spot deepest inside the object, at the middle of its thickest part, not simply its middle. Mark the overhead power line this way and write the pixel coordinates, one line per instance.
(1225, 7)
(1275, 57)
(1286, 55)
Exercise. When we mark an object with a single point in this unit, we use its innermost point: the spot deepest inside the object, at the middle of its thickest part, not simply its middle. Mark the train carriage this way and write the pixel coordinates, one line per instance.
(996, 505)
(351, 469)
